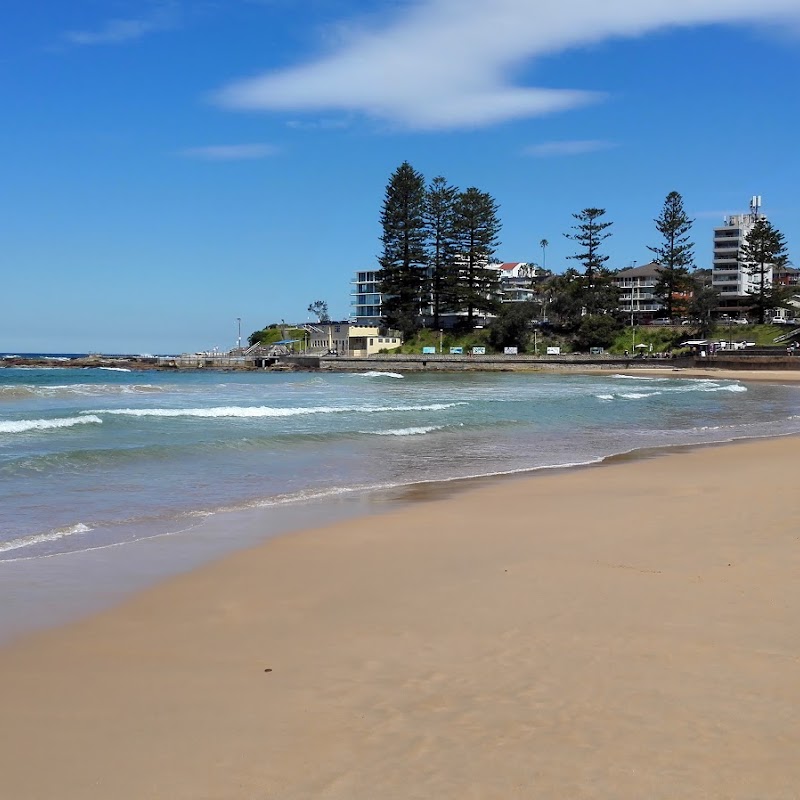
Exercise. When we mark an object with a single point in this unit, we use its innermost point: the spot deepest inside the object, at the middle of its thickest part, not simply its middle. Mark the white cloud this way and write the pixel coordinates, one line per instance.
(317, 125)
(230, 152)
(117, 31)
(445, 64)
(574, 147)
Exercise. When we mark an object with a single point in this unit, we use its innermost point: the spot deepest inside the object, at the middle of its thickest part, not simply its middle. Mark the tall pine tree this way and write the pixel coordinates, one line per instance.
(674, 254)
(476, 228)
(439, 222)
(590, 232)
(402, 274)
(763, 251)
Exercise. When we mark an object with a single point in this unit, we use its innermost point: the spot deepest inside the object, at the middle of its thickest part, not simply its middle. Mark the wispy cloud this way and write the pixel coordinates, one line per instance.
(318, 125)
(574, 147)
(447, 64)
(163, 16)
(230, 152)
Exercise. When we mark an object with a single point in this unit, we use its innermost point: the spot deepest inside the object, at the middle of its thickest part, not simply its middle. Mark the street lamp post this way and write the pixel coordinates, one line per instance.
(441, 334)
(239, 337)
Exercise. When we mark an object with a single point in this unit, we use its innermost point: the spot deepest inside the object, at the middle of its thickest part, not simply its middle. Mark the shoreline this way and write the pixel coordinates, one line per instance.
(257, 525)
(581, 649)
(256, 522)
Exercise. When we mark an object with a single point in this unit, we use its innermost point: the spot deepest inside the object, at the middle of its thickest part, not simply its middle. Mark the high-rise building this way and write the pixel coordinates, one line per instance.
(728, 275)
(365, 299)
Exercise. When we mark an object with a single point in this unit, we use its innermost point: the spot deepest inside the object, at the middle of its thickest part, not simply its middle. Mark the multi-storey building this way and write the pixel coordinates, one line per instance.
(637, 290)
(517, 280)
(729, 276)
(365, 299)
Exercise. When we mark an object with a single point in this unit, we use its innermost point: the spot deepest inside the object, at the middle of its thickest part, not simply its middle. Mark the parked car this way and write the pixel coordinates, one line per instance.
(662, 321)
(725, 319)
(784, 321)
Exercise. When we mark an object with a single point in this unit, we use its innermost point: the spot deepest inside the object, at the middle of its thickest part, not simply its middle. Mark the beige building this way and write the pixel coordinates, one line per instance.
(348, 339)
(637, 287)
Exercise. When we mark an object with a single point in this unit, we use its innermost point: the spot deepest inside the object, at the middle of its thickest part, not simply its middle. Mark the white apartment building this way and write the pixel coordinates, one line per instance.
(728, 275)
(516, 281)
(365, 299)
(637, 290)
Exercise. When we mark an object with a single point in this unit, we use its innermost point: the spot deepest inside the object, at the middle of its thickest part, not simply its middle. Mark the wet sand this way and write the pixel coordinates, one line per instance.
(629, 631)
(773, 375)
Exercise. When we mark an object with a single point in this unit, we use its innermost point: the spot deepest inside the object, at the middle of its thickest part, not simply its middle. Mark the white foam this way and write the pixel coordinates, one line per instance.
(378, 374)
(734, 387)
(23, 425)
(638, 395)
(265, 411)
(604, 396)
(115, 369)
(40, 538)
(407, 431)
(640, 378)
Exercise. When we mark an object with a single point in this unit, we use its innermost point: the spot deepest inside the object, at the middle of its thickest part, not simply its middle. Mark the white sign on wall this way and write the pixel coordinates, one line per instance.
(554, 351)
(479, 351)
(510, 351)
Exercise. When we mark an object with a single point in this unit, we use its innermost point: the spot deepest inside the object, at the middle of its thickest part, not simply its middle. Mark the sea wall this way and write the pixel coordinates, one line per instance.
(749, 362)
(492, 363)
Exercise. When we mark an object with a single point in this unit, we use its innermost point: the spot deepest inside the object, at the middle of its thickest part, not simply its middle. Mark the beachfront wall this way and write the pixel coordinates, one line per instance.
(494, 363)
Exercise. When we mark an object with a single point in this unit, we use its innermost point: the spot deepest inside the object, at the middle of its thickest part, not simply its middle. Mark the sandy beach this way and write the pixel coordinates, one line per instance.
(775, 375)
(626, 631)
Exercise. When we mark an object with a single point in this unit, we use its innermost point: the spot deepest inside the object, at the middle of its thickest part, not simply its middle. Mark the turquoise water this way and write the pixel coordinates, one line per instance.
(111, 480)
(91, 458)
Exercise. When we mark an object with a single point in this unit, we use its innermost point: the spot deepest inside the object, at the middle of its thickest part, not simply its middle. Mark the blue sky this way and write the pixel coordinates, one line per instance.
(173, 165)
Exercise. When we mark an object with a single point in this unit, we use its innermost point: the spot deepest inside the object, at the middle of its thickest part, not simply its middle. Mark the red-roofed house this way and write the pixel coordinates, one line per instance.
(516, 281)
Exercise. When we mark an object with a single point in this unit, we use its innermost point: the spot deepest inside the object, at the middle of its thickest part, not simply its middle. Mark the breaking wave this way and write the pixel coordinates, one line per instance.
(408, 431)
(266, 411)
(41, 538)
(23, 425)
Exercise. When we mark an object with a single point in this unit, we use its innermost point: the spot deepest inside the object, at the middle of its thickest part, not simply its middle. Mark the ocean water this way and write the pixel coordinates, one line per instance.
(103, 461)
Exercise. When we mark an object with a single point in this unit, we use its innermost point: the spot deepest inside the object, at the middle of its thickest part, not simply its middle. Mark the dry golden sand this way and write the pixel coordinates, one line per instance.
(628, 631)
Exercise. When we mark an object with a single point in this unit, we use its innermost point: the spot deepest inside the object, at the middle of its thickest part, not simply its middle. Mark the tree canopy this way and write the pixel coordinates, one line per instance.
(402, 276)
(590, 232)
(476, 227)
(319, 308)
(674, 254)
(762, 252)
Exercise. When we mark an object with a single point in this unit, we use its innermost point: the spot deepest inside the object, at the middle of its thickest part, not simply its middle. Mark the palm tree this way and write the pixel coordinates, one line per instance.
(543, 244)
